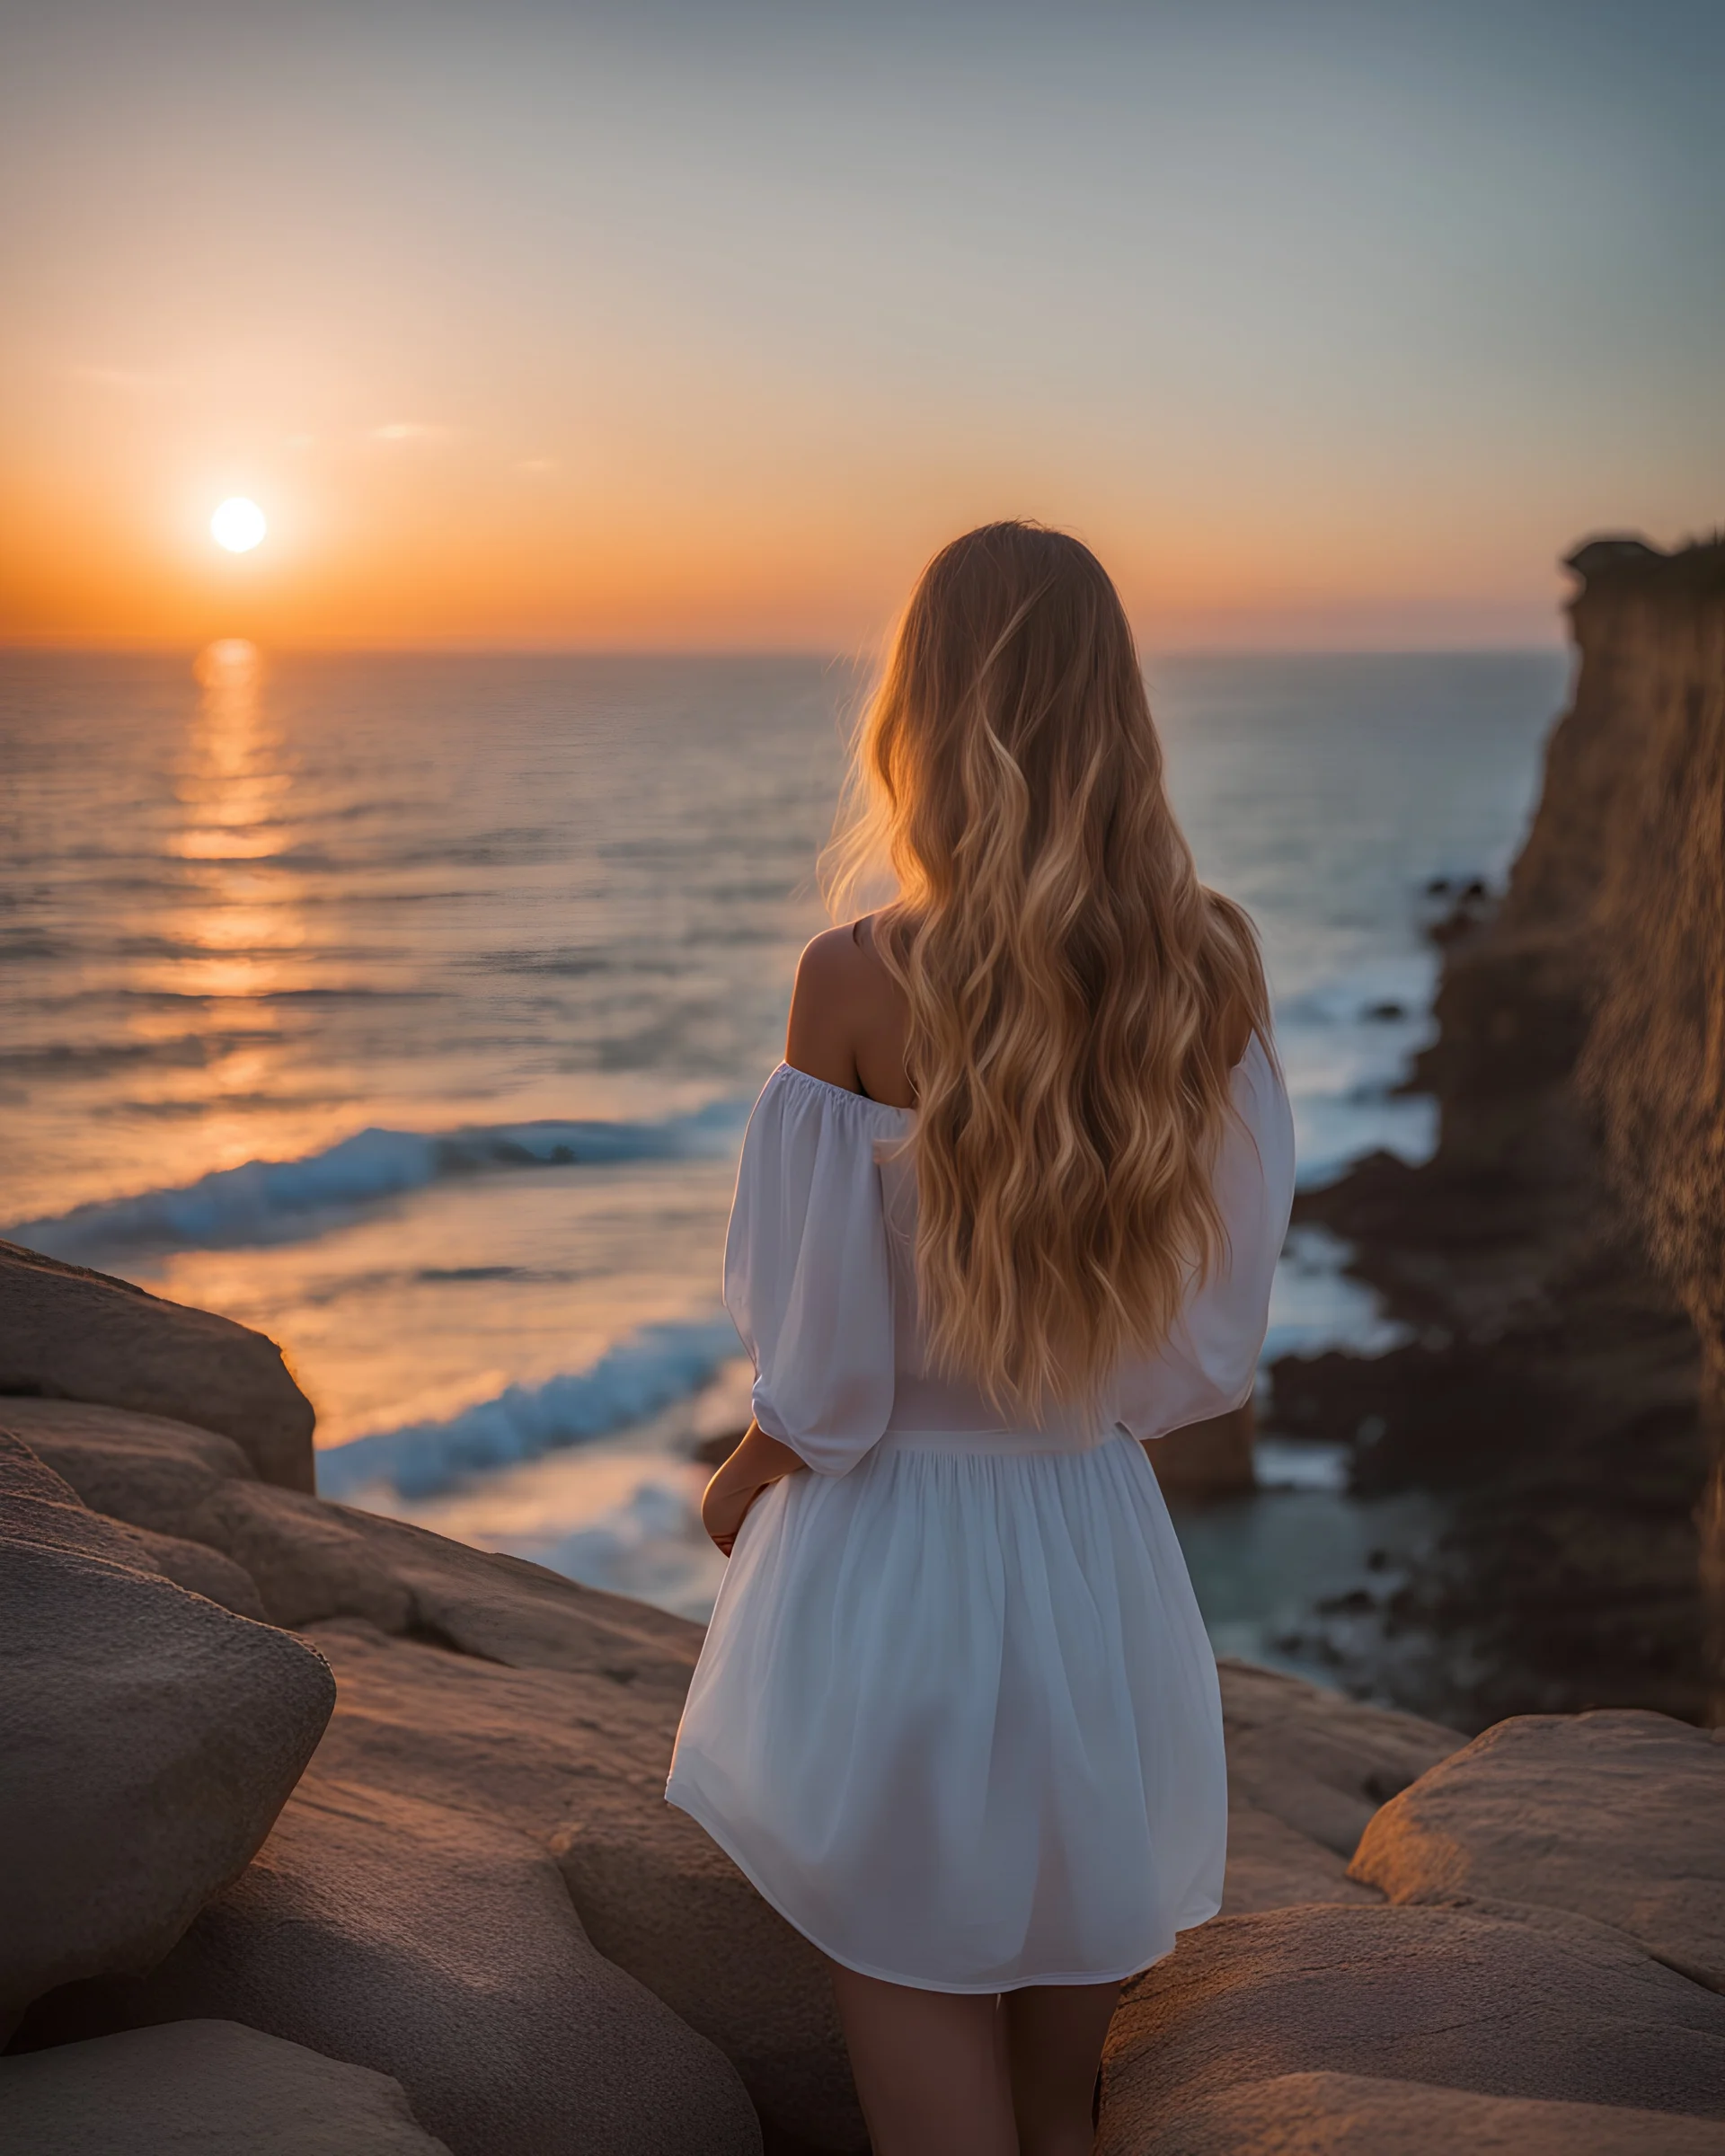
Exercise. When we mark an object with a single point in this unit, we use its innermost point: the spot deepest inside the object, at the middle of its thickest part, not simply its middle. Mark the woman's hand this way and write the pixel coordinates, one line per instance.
(758, 1461)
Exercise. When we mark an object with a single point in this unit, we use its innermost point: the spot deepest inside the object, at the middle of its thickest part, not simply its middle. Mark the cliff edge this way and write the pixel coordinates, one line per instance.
(1561, 1259)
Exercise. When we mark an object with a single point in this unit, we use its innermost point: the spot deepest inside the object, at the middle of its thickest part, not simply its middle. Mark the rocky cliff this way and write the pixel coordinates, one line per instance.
(324, 1836)
(1562, 1257)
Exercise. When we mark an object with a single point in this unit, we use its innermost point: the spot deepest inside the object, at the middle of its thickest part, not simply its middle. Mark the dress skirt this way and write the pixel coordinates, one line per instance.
(957, 1717)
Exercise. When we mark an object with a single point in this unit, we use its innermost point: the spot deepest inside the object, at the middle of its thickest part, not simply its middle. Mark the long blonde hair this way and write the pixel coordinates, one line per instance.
(1075, 995)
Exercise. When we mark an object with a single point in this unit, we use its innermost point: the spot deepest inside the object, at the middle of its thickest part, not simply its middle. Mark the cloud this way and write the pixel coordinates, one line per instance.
(408, 431)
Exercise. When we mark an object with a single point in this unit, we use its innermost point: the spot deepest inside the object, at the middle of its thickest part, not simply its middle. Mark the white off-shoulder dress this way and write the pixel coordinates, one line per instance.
(956, 1715)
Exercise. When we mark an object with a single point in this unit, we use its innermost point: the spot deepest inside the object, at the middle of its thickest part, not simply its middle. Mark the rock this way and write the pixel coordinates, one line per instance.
(144, 1468)
(1206, 1459)
(36, 1504)
(1270, 1866)
(312, 1561)
(201, 2089)
(69, 1333)
(440, 1949)
(200, 1571)
(578, 1760)
(1320, 1762)
(663, 1901)
(150, 1739)
(1620, 1816)
(1554, 2009)
(1352, 2115)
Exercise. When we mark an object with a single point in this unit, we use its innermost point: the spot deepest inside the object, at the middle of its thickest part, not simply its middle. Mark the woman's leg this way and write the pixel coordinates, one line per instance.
(1055, 2036)
(930, 2067)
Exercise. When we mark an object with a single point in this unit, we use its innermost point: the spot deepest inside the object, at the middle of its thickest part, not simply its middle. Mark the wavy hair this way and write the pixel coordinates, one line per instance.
(1077, 996)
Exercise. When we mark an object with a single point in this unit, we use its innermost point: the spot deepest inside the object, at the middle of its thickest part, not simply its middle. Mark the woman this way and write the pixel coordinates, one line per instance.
(1009, 1208)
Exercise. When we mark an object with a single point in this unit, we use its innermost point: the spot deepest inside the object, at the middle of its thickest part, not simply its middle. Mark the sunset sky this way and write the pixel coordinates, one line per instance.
(530, 324)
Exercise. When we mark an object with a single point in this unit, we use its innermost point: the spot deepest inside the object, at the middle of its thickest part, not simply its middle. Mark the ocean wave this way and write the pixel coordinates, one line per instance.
(640, 1375)
(280, 1201)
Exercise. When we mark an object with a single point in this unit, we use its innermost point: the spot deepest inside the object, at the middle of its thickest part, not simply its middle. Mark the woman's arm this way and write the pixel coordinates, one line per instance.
(758, 1461)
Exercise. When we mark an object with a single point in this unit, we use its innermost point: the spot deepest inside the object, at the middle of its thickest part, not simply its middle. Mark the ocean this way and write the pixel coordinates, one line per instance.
(409, 1008)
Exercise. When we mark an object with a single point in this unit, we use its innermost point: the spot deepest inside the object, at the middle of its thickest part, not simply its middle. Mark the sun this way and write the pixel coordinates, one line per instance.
(238, 524)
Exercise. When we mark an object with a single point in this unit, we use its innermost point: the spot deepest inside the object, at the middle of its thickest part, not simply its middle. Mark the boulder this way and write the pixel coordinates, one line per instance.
(146, 1470)
(1272, 1866)
(39, 1505)
(312, 1561)
(1618, 1815)
(1353, 2114)
(201, 2089)
(440, 1949)
(1555, 2008)
(150, 1739)
(69, 1333)
(1320, 1762)
(200, 1571)
(578, 1760)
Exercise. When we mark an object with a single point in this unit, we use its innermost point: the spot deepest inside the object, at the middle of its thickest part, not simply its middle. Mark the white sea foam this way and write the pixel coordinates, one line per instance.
(636, 1378)
(280, 1201)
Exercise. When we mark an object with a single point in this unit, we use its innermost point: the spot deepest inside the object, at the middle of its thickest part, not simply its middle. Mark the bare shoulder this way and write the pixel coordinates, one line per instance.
(847, 1016)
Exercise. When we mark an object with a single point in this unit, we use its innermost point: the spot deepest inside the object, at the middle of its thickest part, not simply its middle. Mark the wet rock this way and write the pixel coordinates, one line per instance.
(201, 2089)
(440, 1949)
(1316, 1760)
(69, 1333)
(150, 1739)
(1617, 1816)
(1353, 2114)
(1554, 2009)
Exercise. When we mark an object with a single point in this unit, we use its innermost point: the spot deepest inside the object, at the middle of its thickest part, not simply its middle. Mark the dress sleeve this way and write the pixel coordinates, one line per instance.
(1207, 1364)
(807, 1278)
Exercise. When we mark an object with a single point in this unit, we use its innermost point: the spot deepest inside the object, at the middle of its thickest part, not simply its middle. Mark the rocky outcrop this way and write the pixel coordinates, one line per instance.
(1456, 1999)
(1620, 1817)
(312, 1562)
(1306, 1771)
(439, 1947)
(201, 2089)
(575, 1760)
(69, 1334)
(1353, 2115)
(150, 1740)
(1561, 1260)
(473, 1915)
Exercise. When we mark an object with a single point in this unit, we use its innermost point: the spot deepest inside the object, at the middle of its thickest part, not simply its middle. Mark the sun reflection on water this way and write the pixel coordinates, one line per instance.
(232, 937)
(235, 786)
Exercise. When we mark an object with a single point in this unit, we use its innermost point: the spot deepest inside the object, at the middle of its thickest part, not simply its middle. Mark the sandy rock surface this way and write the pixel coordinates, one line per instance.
(71, 1334)
(1620, 1816)
(201, 2089)
(150, 1739)
(1352, 2115)
(1559, 2009)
